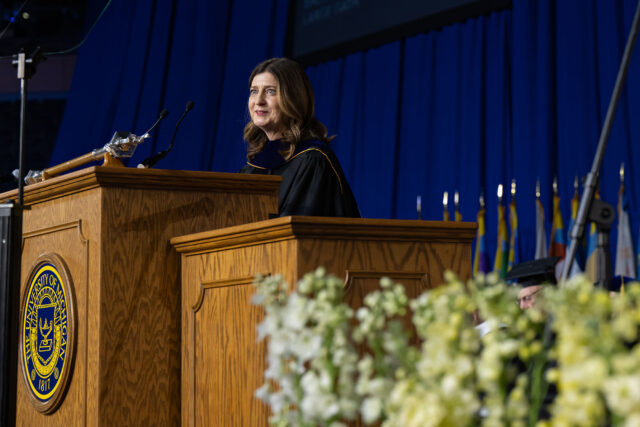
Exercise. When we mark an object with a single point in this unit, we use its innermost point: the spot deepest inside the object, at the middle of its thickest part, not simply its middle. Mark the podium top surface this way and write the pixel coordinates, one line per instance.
(124, 177)
(298, 227)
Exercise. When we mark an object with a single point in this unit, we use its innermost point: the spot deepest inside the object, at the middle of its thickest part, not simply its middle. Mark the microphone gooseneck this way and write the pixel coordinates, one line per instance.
(164, 113)
(151, 161)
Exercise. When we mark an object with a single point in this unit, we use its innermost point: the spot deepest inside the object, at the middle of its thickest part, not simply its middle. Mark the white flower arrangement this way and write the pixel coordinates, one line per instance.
(328, 365)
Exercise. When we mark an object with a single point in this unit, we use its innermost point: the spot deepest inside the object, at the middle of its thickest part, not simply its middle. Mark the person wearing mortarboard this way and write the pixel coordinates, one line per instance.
(532, 276)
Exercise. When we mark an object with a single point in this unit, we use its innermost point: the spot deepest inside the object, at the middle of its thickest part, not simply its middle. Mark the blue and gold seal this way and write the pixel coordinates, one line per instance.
(47, 332)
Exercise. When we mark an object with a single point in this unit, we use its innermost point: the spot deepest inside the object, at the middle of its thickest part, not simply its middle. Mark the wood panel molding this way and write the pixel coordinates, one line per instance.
(204, 287)
(80, 316)
(56, 228)
(397, 276)
(166, 180)
(299, 227)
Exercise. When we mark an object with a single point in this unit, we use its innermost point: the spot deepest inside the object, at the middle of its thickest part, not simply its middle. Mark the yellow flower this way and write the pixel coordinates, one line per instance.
(623, 393)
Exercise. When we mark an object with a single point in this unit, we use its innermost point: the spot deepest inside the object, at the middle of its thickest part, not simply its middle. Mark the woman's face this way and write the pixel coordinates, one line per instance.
(264, 106)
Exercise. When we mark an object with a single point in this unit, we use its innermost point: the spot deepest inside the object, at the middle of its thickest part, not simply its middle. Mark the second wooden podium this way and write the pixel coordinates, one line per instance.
(222, 362)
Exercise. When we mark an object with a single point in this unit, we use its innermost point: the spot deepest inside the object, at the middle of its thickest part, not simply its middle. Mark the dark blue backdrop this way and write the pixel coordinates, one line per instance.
(519, 94)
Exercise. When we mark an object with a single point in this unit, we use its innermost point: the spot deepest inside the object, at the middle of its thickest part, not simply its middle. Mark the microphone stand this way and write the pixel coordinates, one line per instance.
(26, 69)
(598, 211)
(10, 257)
(149, 162)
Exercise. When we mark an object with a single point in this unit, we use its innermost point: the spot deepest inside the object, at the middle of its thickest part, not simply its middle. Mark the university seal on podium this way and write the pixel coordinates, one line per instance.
(47, 332)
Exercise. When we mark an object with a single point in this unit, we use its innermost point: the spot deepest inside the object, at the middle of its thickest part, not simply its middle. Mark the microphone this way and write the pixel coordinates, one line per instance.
(151, 161)
(164, 113)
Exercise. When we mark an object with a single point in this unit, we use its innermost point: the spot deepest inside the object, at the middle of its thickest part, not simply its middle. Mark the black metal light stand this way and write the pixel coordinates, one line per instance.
(602, 214)
(589, 206)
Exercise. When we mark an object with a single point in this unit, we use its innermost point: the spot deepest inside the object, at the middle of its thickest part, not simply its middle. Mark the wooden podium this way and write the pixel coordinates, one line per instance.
(111, 226)
(222, 362)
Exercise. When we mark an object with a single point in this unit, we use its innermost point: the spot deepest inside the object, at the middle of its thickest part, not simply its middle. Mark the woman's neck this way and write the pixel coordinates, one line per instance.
(273, 136)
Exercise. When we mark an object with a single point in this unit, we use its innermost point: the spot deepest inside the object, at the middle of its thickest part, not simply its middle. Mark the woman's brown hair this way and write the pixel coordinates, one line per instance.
(297, 104)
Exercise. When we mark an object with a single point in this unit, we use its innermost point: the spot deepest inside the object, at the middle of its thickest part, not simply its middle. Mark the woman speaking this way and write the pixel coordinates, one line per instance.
(285, 138)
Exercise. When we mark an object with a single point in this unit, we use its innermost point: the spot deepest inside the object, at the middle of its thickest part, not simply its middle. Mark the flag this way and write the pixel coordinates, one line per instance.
(579, 256)
(481, 258)
(502, 248)
(541, 238)
(625, 264)
(591, 263)
(557, 245)
(514, 245)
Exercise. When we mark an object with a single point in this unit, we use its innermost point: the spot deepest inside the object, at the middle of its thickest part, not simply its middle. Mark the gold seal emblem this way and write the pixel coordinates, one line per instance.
(47, 332)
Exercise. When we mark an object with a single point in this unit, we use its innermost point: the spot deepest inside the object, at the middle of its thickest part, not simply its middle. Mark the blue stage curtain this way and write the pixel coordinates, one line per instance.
(150, 54)
(516, 94)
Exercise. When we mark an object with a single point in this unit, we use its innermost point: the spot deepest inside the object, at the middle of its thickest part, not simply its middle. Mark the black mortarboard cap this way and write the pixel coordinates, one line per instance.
(536, 272)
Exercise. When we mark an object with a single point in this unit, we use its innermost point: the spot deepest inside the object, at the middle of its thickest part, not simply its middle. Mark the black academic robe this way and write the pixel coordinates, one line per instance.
(313, 182)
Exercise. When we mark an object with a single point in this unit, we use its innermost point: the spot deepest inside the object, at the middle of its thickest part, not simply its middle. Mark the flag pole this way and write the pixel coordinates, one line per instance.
(445, 206)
